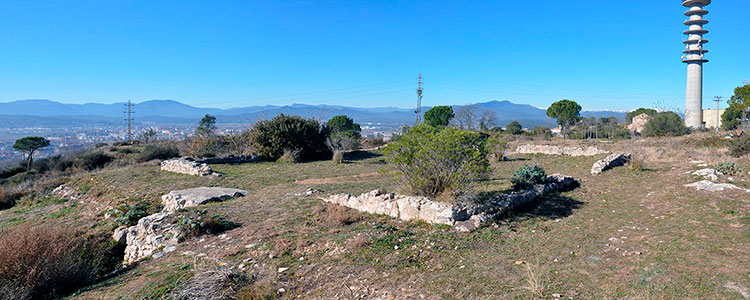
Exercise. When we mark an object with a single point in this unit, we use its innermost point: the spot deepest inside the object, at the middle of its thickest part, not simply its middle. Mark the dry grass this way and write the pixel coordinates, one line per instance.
(534, 281)
(43, 262)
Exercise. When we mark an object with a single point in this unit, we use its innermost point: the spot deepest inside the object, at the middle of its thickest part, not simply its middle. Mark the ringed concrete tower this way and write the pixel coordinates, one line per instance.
(693, 56)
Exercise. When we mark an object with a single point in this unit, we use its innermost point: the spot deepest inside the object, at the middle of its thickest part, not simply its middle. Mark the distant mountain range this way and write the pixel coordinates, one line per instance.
(24, 113)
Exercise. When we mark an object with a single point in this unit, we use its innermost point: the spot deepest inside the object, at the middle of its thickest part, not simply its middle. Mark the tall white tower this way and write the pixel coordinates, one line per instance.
(693, 57)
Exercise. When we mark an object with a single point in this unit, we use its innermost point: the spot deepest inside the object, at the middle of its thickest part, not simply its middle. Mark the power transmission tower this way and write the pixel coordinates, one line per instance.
(746, 82)
(418, 111)
(129, 112)
(717, 99)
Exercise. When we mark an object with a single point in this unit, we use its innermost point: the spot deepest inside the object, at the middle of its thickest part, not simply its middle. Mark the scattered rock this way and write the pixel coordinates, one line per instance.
(179, 199)
(463, 215)
(282, 270)
(308, 193)
(745, 292)
(188, 166)
(707, 173)
(556, 150)
(609, 162)
(706, 185)
(67, 192)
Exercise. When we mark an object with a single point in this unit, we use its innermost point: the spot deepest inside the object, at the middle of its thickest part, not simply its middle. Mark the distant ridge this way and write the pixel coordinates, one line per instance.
(164, 112)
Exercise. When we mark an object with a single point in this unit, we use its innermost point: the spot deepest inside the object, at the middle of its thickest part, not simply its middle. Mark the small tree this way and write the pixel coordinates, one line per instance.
(731, 119)
(344, 126)
(29, 145)
(741, 101)
(514, 128)
(439, 116)
(648, 111)
(487, 119)
(665, 123)
(465, 116)
(147, 136)
(206, 126)
(566, 112)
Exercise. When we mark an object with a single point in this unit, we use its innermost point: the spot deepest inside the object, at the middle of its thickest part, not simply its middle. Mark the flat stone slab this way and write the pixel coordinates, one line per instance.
(180, 199)
(463, 216)
(706, 185)
(187, 166)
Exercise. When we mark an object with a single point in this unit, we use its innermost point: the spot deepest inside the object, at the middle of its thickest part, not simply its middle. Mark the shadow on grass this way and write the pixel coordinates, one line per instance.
(360, 155)
(553, 206)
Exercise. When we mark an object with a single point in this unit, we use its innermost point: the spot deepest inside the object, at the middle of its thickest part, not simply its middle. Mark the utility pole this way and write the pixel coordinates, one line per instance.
(717, 99)
(129, 118)
(420, 89)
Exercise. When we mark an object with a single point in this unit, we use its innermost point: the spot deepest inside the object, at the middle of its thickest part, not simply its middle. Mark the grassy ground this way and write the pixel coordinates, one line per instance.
(621, 235)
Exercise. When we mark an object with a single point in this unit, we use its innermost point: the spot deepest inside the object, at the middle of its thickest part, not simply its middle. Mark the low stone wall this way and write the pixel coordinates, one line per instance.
(242, 159)
(188, 166)
(557, 150)
(609, 162)
(464, 216)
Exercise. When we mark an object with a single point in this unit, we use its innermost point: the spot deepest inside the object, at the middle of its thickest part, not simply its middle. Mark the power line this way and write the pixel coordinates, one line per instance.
(418, 111)
(129, 119)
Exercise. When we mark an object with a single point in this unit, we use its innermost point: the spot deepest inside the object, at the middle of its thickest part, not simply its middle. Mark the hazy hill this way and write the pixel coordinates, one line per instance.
(166, 112)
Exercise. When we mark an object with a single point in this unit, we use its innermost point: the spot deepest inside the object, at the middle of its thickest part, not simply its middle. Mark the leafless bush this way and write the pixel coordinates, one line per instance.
(211, 285)
(340, 143)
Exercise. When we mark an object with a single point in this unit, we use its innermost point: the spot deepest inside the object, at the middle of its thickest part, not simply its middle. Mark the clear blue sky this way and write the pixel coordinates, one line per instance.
(603, 54)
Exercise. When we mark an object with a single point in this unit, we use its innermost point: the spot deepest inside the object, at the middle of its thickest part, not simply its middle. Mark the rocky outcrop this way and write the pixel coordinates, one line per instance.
(180, 199)
(152, 236)
(188, 166)
(463, 215)
(639, 123)
(609, 162)
(557, 150)
(709, 186)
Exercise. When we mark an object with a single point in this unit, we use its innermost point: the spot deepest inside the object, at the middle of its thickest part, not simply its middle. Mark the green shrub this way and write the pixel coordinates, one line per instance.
(272, 137)
(514, 128)
(665, 123)
(197, 222)
(728, 168)
(10, 172)
(740, 147)
(527, 176)
(435, 161)
(92, 161)
(162, 152)
(99, 145)
(128, 215)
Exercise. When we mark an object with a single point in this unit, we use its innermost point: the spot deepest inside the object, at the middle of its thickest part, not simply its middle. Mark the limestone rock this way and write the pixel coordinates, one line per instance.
(609, 162)
(708, 173)
(179, 199)
(67, 192)
(639, 123)
(120, 234)
(706, 185)
(151, 235)
(188, 166)
(557, 150)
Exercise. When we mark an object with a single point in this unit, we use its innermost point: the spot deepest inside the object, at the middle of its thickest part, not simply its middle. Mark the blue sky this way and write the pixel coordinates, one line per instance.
(603, 54)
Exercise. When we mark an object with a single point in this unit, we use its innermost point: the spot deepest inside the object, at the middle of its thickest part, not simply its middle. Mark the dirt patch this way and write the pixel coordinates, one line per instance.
(340, 179)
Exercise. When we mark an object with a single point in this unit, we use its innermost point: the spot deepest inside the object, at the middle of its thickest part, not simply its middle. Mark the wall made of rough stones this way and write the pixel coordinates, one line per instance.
(464, 216)
(188, 166)
(557, 150)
